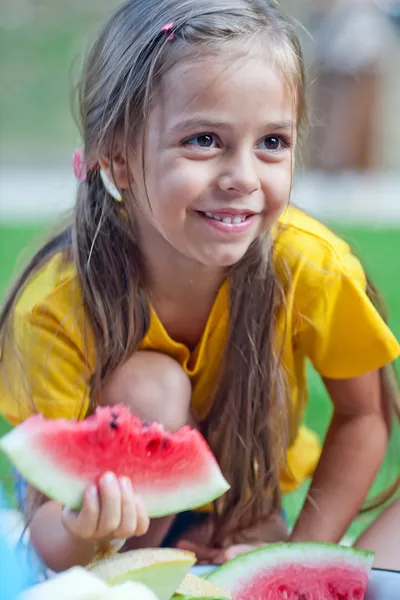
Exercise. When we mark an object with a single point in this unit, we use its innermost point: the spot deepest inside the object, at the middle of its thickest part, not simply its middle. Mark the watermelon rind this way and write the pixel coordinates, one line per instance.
(47, 476)
(160, 569)
(179, 597)
(246, 566)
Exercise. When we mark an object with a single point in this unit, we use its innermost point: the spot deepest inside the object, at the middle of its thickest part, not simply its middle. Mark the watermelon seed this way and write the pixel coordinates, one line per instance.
(114, 424)
(153, 446)
(165, 444)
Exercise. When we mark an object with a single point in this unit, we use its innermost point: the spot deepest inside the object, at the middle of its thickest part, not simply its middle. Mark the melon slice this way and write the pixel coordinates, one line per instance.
(312, 571)
(78, 584)
(160, 569)
(171, 472)
(196, 587)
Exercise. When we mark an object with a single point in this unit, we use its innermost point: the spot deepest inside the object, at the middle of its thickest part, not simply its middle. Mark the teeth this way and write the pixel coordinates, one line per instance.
(211, 216)
(228, 220)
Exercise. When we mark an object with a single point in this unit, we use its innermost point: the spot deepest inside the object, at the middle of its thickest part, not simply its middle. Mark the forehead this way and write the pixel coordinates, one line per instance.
(234, 85)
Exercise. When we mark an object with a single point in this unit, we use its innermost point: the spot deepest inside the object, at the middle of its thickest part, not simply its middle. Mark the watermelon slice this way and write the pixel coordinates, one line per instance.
(312, 571)
(171, 472)
(160, 569)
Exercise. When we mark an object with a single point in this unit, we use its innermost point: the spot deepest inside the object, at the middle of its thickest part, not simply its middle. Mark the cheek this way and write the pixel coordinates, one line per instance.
(180, 182)
(278, 187)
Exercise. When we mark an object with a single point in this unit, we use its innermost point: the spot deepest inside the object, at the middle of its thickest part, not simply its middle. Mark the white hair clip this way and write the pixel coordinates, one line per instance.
(110, 186)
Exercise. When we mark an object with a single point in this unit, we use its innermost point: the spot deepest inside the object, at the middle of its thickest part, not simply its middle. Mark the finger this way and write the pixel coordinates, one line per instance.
(204, 554)
(84, 523)
(128, 524)
(110, 505)
(235, 551)
(143, 521)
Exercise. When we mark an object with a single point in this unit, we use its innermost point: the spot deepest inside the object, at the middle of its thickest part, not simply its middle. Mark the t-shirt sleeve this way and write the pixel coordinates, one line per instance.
(340, 330)
(42, 369)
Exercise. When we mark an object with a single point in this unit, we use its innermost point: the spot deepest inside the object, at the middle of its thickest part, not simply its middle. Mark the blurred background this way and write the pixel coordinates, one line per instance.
(350, 173)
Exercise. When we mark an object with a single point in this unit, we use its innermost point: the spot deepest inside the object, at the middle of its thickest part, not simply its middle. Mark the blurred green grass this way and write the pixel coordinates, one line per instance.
(379, 249)
(41, 52)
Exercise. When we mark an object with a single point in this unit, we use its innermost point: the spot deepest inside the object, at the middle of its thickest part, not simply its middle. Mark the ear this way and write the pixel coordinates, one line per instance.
(116, 169)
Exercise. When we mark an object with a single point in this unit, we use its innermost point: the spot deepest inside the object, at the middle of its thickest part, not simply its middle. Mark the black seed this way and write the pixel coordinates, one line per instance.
(165, 443)
(153, 445)
(113, 425)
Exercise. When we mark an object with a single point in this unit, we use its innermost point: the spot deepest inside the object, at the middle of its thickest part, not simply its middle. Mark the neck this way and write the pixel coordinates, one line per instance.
(174, 277)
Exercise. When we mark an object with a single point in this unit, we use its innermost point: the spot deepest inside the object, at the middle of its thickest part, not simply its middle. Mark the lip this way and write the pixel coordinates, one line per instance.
(228, 228)
(231, 212)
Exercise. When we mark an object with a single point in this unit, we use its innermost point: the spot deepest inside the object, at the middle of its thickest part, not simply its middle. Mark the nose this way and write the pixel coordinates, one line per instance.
(239, 174)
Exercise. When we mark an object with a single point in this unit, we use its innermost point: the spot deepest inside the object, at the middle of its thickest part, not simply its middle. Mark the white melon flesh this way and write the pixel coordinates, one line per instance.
(188, 478)
(197, 587)
(258, 565)
(74, 584)
(79, 584)
(129, 591)
(160, 569)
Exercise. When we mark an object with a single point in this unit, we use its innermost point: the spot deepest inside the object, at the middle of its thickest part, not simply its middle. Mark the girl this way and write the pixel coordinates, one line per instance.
(186, 288)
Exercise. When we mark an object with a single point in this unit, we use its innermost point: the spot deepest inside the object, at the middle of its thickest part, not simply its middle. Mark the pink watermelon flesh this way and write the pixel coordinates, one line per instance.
(171, 472)
(297, 572)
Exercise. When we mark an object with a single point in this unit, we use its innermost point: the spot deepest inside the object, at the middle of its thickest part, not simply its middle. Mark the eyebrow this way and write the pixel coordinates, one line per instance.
(208, 124)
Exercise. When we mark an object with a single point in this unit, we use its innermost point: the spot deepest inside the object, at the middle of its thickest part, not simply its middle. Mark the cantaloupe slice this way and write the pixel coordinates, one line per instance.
(160, 569)
(196, 587)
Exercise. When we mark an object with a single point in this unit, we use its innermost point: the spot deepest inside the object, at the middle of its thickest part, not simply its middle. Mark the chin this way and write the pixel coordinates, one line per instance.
(224, 259)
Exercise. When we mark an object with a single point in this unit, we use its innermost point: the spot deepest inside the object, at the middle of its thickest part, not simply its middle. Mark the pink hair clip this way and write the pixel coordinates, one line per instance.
(78, 163)
(168, 28)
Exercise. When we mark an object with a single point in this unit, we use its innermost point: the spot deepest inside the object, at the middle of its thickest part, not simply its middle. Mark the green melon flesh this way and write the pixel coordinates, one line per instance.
(170, 472)
(160, 569)
(197, 587)
(285, 570)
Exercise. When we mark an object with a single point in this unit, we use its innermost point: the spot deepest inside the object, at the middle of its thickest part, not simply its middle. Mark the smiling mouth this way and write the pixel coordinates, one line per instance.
(229, 219)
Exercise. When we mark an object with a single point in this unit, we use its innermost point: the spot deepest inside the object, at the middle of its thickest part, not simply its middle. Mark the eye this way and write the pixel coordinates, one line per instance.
(273, 143)
(205, 140)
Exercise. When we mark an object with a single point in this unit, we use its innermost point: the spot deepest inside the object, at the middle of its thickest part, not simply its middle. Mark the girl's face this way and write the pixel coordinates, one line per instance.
(218, 158)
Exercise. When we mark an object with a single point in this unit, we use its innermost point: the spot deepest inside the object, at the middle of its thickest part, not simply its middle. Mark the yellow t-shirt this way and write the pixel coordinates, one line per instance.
(328, 319)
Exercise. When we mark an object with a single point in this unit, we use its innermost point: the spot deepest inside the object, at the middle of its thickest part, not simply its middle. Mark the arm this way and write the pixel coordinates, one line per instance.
(110, 513)
(351, 457)
(383, 538)
(58, 548)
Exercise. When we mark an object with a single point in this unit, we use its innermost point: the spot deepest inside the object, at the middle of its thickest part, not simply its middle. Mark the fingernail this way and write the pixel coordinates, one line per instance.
(126, 484)
(69, 513)
(139, 502)
(92, 491)
(108, 478)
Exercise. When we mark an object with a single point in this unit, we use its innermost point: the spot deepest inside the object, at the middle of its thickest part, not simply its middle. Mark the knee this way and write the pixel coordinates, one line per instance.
(154, 386)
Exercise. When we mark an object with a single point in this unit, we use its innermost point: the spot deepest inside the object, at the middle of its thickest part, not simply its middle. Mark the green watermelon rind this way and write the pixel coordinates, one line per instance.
(179, 597)
(47, 476)
(246, 566)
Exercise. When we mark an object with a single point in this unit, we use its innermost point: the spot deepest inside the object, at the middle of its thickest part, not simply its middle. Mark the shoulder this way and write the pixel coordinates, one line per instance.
(55, 286)
(307, 251)
(51, 308)
(48, 353)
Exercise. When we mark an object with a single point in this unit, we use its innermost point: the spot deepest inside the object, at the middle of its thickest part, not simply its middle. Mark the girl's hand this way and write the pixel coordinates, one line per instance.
(216, 556)
(109, 512)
